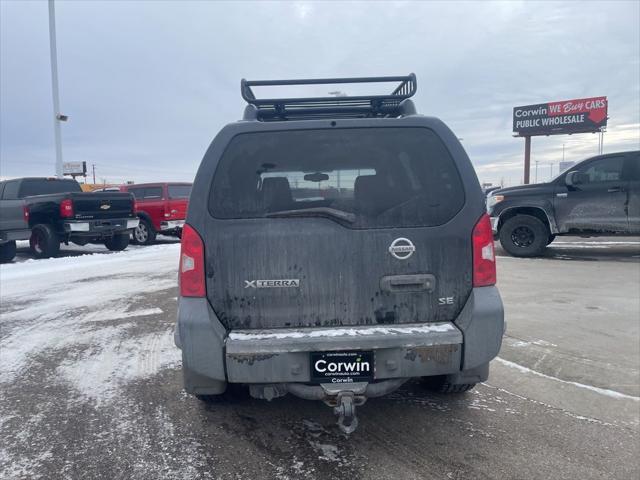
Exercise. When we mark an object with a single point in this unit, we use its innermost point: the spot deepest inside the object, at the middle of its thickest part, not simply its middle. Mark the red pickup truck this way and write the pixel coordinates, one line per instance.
(162, 208)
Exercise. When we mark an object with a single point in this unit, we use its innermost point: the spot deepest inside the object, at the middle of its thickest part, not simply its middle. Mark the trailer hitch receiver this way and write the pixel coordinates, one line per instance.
(345, 408)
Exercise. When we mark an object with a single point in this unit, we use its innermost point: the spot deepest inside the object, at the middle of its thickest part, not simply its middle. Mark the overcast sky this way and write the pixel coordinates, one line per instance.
(148, 84)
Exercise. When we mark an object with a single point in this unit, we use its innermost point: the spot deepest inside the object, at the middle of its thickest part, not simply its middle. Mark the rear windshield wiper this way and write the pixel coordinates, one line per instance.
(315, 212)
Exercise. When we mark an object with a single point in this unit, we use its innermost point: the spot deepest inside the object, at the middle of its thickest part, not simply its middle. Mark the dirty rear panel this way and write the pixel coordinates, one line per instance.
(298, 223)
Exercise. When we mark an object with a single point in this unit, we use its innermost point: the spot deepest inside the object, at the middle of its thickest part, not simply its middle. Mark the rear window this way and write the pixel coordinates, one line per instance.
(153, 192)
(146, 193)
(371, 177)
(45, 187)
(179, 191)
(138, 193)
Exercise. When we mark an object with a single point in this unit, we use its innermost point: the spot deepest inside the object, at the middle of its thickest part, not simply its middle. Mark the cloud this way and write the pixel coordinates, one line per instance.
(148, 84)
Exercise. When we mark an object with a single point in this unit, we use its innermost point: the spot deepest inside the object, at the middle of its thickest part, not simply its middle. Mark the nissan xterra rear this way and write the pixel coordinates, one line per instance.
(334, 249)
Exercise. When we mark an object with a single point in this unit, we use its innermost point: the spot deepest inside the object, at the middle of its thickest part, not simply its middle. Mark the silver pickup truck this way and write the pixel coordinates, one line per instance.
(14, 225)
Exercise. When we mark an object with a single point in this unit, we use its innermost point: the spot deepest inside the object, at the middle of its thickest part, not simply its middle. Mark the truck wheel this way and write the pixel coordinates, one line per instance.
(44, 242)
(118, 242)
(7, 251)
(524, 236)
(144, 233)
(439, 384)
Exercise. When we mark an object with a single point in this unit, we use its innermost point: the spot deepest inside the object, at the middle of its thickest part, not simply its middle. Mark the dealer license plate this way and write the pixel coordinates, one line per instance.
(342, 367)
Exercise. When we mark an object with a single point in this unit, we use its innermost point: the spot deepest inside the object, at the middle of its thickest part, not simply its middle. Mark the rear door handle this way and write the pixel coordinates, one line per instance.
(614, 189)
(408, 283)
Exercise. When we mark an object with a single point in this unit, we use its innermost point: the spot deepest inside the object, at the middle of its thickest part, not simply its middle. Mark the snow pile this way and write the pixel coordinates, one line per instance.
(89, 314)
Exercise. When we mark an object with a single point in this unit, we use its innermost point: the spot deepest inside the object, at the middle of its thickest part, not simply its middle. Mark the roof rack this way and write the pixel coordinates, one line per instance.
(393, 104)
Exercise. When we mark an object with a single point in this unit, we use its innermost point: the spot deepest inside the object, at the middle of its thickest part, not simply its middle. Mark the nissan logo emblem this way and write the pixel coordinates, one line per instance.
(401, 248)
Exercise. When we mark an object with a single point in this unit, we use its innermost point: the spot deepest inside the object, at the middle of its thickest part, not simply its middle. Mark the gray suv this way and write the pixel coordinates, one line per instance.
(334, 249)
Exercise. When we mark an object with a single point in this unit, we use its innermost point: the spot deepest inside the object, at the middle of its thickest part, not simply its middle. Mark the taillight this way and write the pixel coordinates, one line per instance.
(191, 275)
(66, 208)
(484, 259)
(25, 213)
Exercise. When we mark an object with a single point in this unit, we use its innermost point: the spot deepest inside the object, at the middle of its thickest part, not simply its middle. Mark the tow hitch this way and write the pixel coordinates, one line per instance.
(342, 398)
(344, 405)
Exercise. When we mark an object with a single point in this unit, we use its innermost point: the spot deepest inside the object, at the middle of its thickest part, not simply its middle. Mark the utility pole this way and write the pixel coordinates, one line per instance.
(57, 116)
(536, 180)
(93, 166)
(563, 152)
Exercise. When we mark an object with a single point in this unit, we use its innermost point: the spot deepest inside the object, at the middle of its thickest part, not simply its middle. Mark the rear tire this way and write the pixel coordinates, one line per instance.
(524, 236)
(44, 242)
(118, 242)
(144, 233)
(7, 251)
(439, 384)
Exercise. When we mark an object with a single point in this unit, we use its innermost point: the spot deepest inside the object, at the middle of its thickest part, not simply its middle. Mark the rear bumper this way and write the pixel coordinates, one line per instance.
(103, 227)
(13, 235)
(400, 352)
(171, 225)
(282, 355)
(494, 224)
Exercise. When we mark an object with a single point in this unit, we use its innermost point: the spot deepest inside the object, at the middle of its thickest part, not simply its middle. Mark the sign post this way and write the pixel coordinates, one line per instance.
(527, 158)
(585, 115)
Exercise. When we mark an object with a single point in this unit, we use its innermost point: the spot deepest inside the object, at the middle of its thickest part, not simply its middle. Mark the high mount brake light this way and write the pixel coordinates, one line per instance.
(191, 275)
(66, 208)
(484, 259)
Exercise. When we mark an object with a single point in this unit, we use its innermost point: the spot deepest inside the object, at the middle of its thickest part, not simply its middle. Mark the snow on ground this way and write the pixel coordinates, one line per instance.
(86, 311)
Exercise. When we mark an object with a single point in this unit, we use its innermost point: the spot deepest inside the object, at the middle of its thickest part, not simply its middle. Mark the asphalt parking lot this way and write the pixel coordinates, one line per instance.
(90, 383)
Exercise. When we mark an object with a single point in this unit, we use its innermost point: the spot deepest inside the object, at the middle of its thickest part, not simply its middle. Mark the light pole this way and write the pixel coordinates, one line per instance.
(57, 116)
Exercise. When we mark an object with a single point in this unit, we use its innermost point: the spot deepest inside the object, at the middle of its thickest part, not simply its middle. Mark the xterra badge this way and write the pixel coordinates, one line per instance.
(293, 282)
(402, 248)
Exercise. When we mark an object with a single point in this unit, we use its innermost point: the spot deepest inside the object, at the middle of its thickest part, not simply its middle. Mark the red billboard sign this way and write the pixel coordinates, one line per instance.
(554, 118)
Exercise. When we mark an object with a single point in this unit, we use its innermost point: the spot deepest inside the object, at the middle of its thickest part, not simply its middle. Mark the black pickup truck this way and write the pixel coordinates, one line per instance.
(598, 196)
(49, 211)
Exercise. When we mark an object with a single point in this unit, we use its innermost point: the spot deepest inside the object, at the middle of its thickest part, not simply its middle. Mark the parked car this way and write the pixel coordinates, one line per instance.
(58, 211)
(161, 207)
(598, 196)
(345, 296)
(14, 225)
